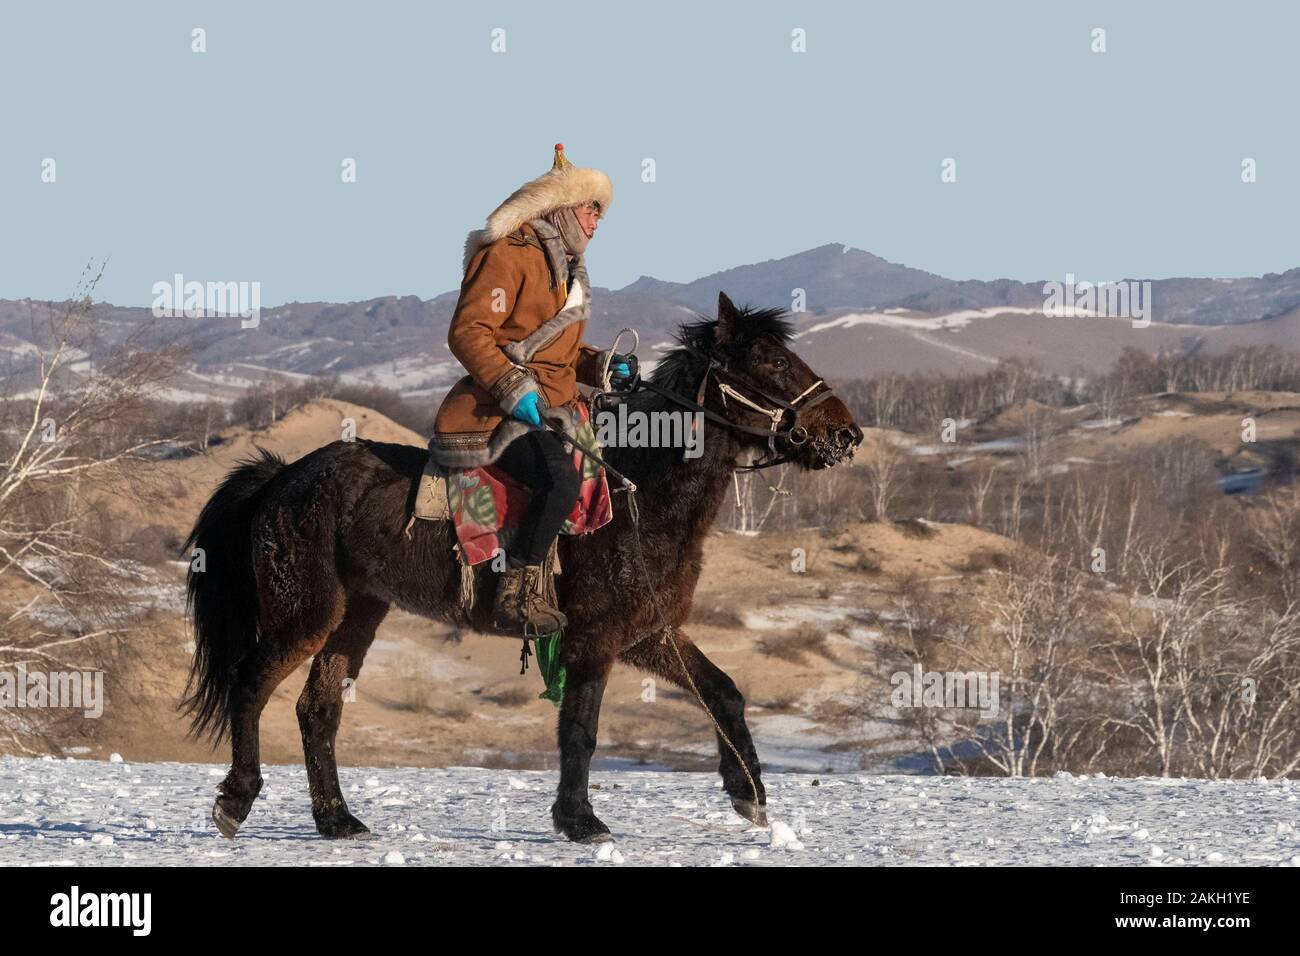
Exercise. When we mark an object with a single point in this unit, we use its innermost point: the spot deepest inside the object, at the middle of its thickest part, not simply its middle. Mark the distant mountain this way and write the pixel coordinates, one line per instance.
(863, 315)
(1174, 301)
(832, 276)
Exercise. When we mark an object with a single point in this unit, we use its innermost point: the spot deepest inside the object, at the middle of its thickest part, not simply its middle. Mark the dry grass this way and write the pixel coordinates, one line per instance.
(414, 695)
(711, 616)
(865, 563)
(794, 646)
(779, 704)
(984, 559)
(915, 528)
(455, 715)
(516, 695)
(838, 713)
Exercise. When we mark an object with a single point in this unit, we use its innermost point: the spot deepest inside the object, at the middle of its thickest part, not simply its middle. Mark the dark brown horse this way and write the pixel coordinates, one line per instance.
(305, 560)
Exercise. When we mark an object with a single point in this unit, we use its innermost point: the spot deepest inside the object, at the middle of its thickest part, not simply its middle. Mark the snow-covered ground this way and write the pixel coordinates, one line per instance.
(58, 812)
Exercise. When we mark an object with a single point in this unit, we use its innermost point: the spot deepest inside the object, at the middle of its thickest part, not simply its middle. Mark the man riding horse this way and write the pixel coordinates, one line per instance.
(306, 558)
(517, 330)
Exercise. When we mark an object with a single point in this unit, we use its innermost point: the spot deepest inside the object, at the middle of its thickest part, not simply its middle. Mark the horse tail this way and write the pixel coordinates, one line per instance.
(222, 593)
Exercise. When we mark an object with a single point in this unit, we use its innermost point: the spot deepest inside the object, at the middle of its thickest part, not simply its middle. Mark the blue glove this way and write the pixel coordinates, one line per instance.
(621, 370)
(526, 410)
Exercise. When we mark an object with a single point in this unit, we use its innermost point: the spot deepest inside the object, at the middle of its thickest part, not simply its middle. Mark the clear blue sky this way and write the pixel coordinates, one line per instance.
(225, 165)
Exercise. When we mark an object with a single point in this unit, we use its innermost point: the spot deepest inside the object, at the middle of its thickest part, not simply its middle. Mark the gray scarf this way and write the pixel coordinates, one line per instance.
(575, 240)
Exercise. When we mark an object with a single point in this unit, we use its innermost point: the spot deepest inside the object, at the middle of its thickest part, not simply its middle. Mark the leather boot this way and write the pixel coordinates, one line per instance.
(519, 605)
(540, 617)
(505, 609)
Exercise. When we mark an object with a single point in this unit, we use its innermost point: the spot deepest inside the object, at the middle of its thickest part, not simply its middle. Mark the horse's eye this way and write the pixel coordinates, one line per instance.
(780, 364)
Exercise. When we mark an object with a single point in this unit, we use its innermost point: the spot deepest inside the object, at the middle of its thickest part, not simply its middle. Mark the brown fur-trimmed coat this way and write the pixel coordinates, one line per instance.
(512, 287)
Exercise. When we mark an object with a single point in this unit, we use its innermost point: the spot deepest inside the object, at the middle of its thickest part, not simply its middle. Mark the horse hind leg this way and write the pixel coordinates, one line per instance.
(320, 710)
(277, 655)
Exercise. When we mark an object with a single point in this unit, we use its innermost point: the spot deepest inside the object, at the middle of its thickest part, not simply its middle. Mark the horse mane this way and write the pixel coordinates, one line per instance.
(680, 369)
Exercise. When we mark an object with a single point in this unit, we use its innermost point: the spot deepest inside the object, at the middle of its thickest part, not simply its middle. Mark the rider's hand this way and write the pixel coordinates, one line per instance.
(620, 370)
(526, 410)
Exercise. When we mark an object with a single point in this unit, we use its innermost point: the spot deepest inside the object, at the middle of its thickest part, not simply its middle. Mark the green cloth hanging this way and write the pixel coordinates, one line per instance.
(547, 650)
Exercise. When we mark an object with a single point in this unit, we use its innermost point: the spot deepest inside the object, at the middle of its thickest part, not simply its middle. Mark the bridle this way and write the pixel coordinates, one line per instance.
(795, 435)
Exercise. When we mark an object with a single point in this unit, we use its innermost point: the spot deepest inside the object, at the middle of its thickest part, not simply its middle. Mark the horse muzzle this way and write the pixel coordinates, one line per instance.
(827, 447)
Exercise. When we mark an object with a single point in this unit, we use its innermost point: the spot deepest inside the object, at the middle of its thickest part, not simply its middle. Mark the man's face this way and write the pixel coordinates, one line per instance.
(587, 219)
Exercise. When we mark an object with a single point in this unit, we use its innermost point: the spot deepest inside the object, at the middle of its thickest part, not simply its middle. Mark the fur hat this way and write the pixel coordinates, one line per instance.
(563, 185)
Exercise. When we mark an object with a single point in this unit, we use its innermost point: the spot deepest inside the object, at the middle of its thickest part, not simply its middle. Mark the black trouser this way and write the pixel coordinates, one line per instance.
(539, 461)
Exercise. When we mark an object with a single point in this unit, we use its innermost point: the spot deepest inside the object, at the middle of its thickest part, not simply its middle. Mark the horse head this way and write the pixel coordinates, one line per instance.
(741, 368)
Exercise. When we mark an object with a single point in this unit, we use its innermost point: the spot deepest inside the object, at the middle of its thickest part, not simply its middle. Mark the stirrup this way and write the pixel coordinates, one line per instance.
(533, 632)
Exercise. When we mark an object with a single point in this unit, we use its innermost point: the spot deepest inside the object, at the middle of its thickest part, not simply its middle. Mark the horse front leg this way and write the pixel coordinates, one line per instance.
(724, 702)
(579, 717)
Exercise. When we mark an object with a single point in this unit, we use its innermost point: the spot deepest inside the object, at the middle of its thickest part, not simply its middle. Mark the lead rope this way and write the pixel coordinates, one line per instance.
(634, 512)
(667, 630)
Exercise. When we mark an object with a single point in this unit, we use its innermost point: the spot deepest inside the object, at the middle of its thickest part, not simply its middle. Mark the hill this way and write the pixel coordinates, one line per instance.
(862, 315)
(430, 695)
(803, 644)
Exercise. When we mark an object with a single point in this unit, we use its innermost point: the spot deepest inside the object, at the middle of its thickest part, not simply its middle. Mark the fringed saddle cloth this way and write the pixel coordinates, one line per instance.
(486, 506)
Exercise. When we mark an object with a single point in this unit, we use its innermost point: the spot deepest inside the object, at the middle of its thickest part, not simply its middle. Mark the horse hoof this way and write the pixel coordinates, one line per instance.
(362, 834)
(226, 823)
(345, 828)
(581, 827)
(755, 813)
(233, 803)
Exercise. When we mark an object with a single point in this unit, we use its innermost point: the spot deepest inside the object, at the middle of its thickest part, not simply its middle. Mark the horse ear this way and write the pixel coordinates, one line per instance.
(726, 309)
(728, 315)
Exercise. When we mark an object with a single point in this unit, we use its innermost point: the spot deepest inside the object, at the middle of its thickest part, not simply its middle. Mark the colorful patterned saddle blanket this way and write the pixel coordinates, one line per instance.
(486, 505)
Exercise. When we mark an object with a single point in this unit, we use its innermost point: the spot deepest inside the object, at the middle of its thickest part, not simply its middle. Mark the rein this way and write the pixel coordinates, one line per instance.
(795, 435)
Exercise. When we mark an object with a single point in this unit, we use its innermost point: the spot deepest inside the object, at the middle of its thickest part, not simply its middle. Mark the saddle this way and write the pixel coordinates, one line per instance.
(485, 505)
(430, 496)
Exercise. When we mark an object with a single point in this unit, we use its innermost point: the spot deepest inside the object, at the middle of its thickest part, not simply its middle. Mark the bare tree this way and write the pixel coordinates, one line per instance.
(1031, 636)
(1274, 537)
(1181, 470)
(1108, 398)
(884, 472)
(1212, 678)
(886, 393)
(63, 590)
(1238, 689)
(1034, 641)
(1013, 507)
(977, 496)
(1152, 631)
(748, 518)
(1039, 431)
